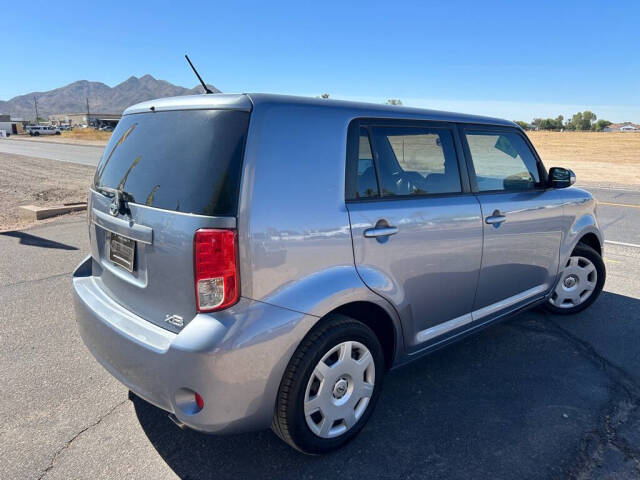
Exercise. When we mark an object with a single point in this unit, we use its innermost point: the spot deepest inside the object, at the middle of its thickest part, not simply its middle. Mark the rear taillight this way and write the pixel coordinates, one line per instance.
(215, 269)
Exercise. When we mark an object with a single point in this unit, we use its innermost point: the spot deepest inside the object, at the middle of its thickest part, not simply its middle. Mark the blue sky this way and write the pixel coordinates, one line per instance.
(510, 59)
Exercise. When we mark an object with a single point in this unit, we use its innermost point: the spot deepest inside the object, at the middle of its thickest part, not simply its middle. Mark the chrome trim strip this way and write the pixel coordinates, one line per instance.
(507, 302)
(214, 222)
(442, 328)
(139, 233)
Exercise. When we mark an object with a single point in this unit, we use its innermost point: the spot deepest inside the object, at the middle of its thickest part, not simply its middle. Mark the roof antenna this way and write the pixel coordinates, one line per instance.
(204, 85)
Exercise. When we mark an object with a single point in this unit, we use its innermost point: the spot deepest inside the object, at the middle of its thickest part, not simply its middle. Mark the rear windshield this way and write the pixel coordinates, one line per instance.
(184, 161)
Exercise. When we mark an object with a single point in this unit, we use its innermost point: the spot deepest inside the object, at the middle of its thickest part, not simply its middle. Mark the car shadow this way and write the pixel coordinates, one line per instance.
(517, 400)
(35, 241)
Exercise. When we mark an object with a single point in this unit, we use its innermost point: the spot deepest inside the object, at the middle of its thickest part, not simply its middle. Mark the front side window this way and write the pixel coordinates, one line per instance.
(502, 161)
(415, 161)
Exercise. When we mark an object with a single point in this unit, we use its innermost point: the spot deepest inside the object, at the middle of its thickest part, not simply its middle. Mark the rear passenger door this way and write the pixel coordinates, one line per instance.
(416, 227)
(523, 221)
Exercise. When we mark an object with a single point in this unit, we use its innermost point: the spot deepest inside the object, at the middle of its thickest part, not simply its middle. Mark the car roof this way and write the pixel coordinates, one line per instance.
(249, 101)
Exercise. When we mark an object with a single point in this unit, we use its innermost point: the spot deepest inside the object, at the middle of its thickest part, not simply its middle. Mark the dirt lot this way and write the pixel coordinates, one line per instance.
(35, 181)
(602, 158)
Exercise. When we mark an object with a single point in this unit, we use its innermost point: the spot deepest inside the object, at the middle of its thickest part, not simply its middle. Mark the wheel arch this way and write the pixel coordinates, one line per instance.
(591, 240)
(585, 229)
(377, 319)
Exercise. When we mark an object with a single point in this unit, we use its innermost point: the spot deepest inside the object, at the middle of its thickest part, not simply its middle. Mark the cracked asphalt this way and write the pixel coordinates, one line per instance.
(539, 396)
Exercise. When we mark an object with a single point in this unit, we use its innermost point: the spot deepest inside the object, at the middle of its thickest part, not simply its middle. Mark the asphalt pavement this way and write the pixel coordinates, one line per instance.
(85, 154)
(539, 396)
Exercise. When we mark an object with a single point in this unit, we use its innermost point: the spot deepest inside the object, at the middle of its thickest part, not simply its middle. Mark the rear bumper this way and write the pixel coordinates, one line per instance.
(235, 359)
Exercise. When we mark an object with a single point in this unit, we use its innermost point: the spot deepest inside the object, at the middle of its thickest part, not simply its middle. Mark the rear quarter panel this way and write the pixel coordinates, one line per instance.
(294, 233)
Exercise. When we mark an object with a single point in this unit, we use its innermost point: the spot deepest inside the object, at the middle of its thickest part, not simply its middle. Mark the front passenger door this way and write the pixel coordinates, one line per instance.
(522, 219)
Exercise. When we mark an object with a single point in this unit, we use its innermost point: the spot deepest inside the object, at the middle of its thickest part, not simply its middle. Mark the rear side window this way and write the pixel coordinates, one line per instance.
(502, 161)
(415, 161)
(184, 161)
(367, 184)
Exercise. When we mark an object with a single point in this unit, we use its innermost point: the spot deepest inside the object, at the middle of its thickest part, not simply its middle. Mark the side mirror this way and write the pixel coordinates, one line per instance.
(561, 177)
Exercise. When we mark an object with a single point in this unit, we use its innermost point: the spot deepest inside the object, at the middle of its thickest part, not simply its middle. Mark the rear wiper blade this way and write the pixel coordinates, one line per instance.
(120, 199)
(115, 192)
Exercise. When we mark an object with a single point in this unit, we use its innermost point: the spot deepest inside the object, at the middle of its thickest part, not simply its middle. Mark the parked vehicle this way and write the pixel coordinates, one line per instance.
(261, 260)
(37, 130)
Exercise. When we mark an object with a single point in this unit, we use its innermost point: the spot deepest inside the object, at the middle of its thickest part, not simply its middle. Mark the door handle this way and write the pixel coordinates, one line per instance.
(496, 218)
(380, 232)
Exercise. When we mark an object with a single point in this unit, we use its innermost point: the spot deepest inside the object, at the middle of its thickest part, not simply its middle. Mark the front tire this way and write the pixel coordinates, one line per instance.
(330, 387)
(580, 282)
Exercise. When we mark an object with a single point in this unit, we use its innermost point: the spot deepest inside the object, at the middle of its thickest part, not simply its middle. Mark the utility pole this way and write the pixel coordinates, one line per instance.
(88, 119)
(35, 102)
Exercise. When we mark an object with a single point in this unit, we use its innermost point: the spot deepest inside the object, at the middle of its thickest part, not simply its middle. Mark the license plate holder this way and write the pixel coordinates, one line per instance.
(122, 251)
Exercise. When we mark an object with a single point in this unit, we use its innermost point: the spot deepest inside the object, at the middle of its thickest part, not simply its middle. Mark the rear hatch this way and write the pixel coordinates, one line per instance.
(163, 176)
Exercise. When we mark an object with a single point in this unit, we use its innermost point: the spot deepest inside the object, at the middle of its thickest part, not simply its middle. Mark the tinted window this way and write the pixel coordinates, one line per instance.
(185, 161)
(415, 161)
(367, 185)
(502, 161)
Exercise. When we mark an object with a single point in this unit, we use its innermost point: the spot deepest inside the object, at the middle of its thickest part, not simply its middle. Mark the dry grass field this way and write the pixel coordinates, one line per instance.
(605, 158)
(86, 134)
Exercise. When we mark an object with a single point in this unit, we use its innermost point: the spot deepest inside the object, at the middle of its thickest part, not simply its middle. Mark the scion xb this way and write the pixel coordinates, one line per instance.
(261, 260)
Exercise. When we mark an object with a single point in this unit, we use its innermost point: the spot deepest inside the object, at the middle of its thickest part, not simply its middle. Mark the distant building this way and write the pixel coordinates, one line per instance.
(623, 127)
(95, 119)
(12, 126)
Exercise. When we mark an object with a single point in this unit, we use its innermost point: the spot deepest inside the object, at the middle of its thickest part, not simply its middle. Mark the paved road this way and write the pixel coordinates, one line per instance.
(539, 396)
(52, 151)
(619, 213)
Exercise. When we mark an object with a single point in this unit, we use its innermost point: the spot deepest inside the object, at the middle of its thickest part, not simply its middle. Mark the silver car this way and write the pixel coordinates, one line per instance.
(261, 260)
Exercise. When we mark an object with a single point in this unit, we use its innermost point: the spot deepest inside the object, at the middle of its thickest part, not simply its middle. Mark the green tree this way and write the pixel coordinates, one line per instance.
(523, 125)
(547, 124)
(582, 120)
(601, 125)
(559, 122)
(324, 95)
(394, 101)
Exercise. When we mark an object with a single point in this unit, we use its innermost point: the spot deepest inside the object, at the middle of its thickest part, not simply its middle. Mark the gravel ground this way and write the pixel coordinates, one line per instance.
(35, 181)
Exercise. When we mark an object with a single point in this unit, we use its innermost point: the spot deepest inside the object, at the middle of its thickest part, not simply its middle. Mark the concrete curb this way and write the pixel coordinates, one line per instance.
(31, 212)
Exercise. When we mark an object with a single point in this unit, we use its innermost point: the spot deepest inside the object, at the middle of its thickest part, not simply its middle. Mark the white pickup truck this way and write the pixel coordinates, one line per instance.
(37, 130)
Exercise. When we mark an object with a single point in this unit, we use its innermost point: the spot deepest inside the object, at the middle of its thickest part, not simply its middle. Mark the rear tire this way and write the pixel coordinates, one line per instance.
(580, 282)
(330, 387)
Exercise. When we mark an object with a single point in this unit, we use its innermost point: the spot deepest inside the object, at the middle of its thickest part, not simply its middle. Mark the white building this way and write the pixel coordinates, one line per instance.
(9, 125)
(623, 127)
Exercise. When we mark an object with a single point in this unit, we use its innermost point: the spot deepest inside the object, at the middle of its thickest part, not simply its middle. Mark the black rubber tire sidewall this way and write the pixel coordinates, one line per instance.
(589, 253)
(338, 329)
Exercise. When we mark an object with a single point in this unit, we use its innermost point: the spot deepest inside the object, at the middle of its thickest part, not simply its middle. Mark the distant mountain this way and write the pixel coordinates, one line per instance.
(102, 98)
